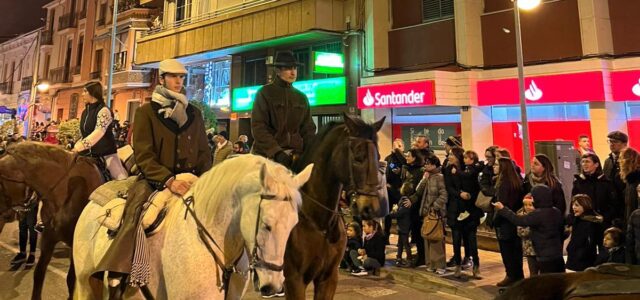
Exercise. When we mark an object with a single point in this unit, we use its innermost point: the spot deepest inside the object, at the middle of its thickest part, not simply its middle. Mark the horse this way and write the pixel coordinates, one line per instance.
(63, 181)
(605, 282)
(247, 205)
(317, 243)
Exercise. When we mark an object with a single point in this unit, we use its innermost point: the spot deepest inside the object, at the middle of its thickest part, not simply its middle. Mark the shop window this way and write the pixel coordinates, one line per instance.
(569, 112)
(209, 83)
(434, 10)
(255, 72)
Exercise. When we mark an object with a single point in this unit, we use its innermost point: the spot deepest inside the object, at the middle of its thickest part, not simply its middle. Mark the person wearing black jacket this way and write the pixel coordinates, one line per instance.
(485, 178)
(586, 234)
(373, 249)
(617, 142)
(547, 229)
(395, 162)
(630, 174)
(593, 183)
(412, 173)
(542, 173)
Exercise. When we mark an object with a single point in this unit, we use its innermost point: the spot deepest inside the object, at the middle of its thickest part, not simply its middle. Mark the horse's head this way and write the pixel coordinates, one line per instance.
(359, 155)
(12, 194)
(267, 220)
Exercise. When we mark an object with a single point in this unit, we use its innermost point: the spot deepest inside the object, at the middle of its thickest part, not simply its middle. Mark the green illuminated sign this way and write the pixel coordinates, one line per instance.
(328, 63)
(330, 91)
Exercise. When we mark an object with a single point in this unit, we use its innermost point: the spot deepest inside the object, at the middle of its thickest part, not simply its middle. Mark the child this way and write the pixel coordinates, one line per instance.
(613, 244)
(354, 242)
(547, 229)
(470, 186)
(633, 235)
(586, 233)
(403, 215)
(525, 234)
(373, 251)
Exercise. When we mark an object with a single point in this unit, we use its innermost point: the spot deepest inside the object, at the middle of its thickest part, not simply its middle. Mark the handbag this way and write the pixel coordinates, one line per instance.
(432, 227)
(484, 202)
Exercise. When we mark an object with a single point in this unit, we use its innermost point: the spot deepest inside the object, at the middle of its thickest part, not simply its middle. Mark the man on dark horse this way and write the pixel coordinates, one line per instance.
(281, 118)
(168, 139)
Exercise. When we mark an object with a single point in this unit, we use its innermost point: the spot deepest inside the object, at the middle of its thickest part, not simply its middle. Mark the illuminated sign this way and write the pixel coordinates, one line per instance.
(328, 63)
(330, 91)
(626, 85)
(408, 94)
(562, 88)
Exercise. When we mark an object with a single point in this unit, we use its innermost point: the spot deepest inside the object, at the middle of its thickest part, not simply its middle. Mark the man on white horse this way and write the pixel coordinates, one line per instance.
(168, 139)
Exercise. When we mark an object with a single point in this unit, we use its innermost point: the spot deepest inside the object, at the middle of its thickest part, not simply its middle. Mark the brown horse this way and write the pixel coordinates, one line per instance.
(63, 181)
(608, 281)
(345, 157)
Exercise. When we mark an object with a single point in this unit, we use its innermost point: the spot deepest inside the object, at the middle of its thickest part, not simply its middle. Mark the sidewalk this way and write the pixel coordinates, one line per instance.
(491, 269)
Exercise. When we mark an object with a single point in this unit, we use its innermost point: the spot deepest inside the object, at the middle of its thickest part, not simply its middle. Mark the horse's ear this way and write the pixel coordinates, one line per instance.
(377, 125)
(303, 176)
(264, 175)
(351, 124)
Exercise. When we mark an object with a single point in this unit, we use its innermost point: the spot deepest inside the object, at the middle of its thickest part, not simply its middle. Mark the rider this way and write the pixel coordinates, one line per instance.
(95, 126)
(281, 121)
(168, 139)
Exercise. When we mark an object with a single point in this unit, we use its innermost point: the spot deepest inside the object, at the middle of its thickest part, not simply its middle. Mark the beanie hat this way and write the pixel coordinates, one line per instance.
(224, 134)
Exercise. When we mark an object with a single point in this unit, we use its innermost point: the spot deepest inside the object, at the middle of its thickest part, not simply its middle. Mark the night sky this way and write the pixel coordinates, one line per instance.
(20, 16)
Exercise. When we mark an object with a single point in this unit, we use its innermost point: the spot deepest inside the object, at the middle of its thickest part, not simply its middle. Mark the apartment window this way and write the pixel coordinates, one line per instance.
(80, 46)
(47, 59)
(98, 65)
(433, 10)
(183, 9)
(255, 72)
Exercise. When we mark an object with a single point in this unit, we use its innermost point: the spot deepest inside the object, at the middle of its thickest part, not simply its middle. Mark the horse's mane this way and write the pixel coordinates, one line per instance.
(40, 152)
(238, 176)
(328, 136)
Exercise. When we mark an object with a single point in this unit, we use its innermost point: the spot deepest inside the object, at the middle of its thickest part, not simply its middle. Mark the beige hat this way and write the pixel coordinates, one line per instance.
(172, 66)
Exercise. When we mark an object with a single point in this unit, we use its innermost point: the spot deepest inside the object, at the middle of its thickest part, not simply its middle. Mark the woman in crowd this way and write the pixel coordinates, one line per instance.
(95, 126)
(509, 193)
(586, 233)
(630, 174)
(592, 182)
(412, 173)
(486, 177)
(542, 173)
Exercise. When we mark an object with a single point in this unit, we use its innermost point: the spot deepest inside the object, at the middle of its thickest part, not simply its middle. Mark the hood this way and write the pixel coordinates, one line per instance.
(541, 196)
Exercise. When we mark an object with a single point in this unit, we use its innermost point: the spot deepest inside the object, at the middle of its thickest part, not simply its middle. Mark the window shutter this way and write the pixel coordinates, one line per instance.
(433, 10)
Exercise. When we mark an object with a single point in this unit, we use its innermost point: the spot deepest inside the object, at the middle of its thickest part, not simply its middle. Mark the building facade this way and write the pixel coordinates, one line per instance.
(75, 49)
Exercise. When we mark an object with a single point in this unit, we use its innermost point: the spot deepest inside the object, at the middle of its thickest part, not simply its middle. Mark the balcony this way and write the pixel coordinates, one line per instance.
(75, 70)
(96, 75)
(120, 61)
(60, 75)
(6, 87)
(26, 83)
(100, 22)
(131, 78)
(67, 21)
(82, 14)
(46, 38)
(125, 5)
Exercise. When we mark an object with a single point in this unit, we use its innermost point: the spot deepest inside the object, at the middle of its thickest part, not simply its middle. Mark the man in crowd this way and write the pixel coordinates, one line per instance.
(617, 141)
(223, 148)
(281, 118)
(395, 161)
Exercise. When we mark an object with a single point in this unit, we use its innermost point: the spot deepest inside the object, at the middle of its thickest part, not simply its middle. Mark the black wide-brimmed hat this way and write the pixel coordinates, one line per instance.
(285, 59)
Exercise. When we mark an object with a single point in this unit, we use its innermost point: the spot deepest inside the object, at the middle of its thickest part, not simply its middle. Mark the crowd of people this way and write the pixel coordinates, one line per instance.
(529, 214)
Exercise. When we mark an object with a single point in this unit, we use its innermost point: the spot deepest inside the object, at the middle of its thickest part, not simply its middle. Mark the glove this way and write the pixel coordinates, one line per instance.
(283, 159)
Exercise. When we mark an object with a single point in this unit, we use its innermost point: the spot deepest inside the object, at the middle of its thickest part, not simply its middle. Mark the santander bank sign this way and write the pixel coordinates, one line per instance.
(408, 94)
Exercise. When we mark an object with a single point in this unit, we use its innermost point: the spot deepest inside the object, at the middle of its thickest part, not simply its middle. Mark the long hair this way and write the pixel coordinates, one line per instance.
(629, 162)
(507, 174)
(595, 159)
(548, 175)
(586, 203)
(418, 158)
(458, 153)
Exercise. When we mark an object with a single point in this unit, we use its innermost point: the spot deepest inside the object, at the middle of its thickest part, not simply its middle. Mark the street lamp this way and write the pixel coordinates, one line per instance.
(43, 86)
(526, 5)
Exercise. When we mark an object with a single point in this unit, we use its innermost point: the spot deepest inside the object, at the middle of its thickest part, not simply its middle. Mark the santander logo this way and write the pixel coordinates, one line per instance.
(392, 98)
(636, 88)
(368, 99)
(533, 93)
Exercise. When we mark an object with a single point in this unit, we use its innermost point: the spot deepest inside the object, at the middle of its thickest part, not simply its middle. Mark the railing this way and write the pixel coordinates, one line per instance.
(82, 14)
(124, 5)
(26, 83)
(120, 61)
(96, 75)
(6, 87)
(209, 15)
(75, 70)
(67, 21)
(46, 38)
(59, 75)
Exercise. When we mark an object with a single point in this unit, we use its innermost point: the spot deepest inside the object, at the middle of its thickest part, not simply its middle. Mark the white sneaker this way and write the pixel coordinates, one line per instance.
(483, 218)
(441, 271)
(463, 216)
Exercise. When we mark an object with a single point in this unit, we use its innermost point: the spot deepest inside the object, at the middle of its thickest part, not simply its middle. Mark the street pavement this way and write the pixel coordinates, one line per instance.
(393, 282)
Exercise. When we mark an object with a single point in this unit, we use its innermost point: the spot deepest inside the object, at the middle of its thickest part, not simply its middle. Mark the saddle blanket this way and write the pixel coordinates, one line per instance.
(111, 190)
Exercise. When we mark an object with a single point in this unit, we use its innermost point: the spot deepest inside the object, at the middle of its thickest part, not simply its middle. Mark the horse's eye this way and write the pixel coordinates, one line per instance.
(2, 151)
(267, 227)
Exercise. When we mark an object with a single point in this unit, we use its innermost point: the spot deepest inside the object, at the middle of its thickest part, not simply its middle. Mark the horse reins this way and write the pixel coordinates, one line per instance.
(256, 261)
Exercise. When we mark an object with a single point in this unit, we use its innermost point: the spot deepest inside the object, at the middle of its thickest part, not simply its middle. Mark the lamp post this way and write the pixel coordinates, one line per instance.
(114, 29)
(526, 5)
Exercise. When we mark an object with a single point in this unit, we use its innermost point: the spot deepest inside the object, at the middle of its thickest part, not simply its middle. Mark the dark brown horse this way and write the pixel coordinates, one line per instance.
(346, 158)
(605, 282)
(63, 182)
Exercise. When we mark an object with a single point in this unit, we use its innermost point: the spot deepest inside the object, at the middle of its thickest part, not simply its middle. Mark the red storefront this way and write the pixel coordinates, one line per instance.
(557, 108)
(626, 87)
(414, 110)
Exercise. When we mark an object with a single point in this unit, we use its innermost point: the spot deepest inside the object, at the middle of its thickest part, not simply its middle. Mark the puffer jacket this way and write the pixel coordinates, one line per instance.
(432, 194)
(546, 223)
(601, 191)
(586, 236)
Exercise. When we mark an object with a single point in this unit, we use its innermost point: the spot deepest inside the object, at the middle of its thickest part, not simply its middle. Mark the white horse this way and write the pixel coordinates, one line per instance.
(248, 204)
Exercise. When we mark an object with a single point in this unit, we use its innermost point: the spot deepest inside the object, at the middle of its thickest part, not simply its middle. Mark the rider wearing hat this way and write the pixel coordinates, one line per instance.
(281, 121)
(168, 139)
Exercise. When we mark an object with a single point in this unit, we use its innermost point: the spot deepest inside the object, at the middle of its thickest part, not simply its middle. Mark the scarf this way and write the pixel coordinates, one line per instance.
(535, 180)
(173, 105)
(369, 236)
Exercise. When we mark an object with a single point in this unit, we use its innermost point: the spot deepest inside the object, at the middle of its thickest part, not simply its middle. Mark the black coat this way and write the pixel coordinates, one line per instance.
(453, 183)
(633, 238)
(601, 191)
(485, 179)
(512, 199)
(586, 236)
(611, 170)
(107, 144)
(395, 163)
(375, 246)
(631, 194)
(546, 223)
(353, 243)
(469, 178)
(557, 194)
(403, 216)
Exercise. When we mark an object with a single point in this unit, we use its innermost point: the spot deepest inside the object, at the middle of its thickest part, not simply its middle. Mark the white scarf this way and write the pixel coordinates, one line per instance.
(173, 105)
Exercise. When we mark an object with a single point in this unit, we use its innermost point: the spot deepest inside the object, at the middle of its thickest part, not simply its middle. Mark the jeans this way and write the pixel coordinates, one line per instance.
(351, 259)
(403, 244)
(28, 231)
(465, 232)
(533, 266)
(371, 264)
(511, 252)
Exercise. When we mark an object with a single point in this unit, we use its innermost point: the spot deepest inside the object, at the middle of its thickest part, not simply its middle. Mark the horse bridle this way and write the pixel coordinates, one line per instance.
(256, 261)
(352, 188)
